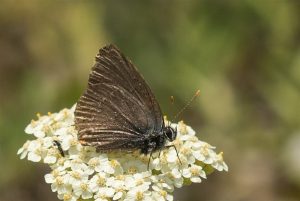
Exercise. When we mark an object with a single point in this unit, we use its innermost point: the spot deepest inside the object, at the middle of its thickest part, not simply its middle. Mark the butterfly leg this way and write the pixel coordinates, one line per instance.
(149, 161)
(149, 149)
(159, 153)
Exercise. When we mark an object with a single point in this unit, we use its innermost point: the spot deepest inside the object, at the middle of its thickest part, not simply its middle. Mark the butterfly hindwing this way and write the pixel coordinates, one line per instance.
(118, 109)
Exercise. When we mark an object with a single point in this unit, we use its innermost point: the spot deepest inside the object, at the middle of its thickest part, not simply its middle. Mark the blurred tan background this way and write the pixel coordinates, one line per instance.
(244, 56)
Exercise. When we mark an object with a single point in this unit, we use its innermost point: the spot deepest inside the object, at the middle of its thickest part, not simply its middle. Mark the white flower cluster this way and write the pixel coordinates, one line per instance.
(82, 173)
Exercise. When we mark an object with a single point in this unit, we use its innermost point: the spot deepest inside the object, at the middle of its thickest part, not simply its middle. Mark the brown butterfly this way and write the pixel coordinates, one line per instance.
(118, 110)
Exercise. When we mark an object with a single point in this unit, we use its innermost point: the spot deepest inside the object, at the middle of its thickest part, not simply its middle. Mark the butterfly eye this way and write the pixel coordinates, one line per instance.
(170, 133)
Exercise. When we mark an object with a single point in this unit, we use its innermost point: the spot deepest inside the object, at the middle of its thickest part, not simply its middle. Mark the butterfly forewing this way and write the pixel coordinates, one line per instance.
(118, 110)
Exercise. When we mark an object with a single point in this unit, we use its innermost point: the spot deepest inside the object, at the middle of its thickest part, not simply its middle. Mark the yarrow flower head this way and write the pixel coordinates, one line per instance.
(82, 173)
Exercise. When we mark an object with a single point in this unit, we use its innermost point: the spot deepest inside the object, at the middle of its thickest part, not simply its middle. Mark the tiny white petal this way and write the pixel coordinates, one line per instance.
(50, 159)
(186, 173)
(23, 155)
(86, 195)
(118, 195)
(39, 133)
(172, 156)
(32, 156)
(20, 150)
(47, 142)
(196, 179)
(49, 178)
(29, 129)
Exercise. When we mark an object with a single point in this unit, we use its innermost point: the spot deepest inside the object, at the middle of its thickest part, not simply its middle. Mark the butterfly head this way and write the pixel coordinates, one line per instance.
(170, 133)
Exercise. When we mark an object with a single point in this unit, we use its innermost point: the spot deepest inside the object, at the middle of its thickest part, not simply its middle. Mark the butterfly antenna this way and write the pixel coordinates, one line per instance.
(187, 105)
(172, 100)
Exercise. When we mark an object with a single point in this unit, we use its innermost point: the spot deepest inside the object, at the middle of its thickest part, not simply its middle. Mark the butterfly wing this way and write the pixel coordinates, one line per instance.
(118, 109)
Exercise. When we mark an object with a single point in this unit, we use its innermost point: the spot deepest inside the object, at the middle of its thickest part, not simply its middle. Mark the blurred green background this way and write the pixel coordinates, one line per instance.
(244, 56)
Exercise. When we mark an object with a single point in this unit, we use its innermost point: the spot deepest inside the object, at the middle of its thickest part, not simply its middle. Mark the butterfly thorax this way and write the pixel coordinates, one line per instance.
(158, 141)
